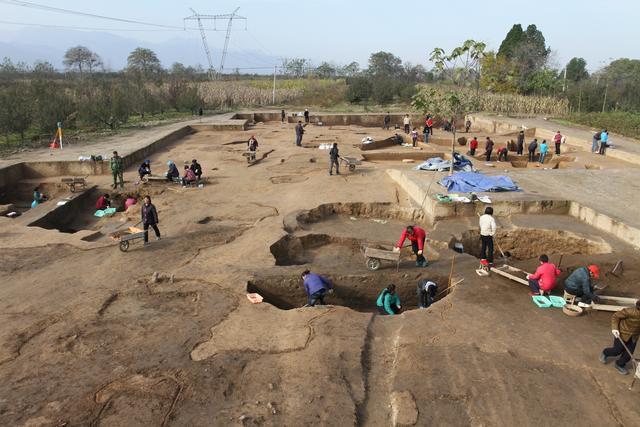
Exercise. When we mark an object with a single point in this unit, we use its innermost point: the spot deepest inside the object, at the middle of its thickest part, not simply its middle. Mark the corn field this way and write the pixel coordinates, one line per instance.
(225, 95)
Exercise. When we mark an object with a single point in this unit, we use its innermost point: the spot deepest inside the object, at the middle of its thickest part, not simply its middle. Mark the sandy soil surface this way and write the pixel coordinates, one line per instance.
(91, 336)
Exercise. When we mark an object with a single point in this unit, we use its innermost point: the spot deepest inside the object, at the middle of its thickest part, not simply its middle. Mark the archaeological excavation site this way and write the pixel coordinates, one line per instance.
(218, 322)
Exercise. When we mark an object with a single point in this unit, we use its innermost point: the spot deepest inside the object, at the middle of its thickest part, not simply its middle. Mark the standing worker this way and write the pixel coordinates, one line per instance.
(430, 123)
(604, 141)
(149, 219)
(426, 293)
(473, 146)
(580, 283)
(488, 148)
(117, 169)
(557, 139)
(414, 136)
(467, 126)
(487, 231)
(625, 327)
(544, 279)
(533, 146)
(596, 140)
(283, 116)
(388, 301)
(334, 159)
(544, 149)
(316, 287)
(252, 146)
(306, 115)
(417, 236)
(299, 133)
(386, 122)
(520, 149)
(407, 124)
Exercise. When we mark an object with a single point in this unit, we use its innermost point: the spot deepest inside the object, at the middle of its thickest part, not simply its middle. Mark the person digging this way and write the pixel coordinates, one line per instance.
(625, 327)
(416, 236)
(316, 287)
(388, 301)
(426, 293)
(580, 284)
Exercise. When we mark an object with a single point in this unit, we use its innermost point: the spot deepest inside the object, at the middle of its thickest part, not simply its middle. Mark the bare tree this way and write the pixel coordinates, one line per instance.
(81, 58)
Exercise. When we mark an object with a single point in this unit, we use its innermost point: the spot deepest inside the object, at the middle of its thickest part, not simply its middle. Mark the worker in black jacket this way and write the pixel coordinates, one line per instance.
(196, 168)
(334, 159)
(149, 219)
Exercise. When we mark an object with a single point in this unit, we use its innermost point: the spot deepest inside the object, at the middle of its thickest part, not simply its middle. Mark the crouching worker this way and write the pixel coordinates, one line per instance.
(544, 279)
(38, 197)
(144, 169)
(417, 236)
(426, 293)
(625, 327)
(172, 173)
(196, 168)
(316, 287)
(104, 202)
(388, 301)
(580, 284)
(188, 177)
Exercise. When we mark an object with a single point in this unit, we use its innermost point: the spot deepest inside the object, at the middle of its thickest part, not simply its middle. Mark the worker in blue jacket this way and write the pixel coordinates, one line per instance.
(388, 301)
(580, 283)
(316, 287)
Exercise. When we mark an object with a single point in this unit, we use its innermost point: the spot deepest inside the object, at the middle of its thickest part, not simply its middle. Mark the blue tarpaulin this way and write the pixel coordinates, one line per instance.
(472, 182)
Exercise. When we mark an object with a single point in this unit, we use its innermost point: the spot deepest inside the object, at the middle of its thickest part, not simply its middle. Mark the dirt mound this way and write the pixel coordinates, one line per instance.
(312, 248)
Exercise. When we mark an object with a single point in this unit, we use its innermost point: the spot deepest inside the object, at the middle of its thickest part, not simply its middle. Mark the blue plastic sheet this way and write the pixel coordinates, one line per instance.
(472, 182)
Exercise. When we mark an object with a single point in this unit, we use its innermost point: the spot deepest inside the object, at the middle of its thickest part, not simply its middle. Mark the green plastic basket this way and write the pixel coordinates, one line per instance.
(556, 301)
(541, 301)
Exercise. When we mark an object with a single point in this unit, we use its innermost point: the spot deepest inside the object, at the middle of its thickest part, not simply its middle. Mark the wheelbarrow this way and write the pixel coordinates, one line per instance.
(350, 162)
(375, 256)
(125, 237)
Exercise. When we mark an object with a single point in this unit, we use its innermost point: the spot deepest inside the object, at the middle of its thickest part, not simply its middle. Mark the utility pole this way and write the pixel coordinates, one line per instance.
(275, 69)
(604, 101)
(198, 17)
(564, 81)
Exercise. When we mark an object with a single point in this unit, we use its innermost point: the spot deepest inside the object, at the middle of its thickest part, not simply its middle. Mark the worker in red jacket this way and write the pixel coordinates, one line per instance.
(544, 279)
(417, 237)
(103, 202)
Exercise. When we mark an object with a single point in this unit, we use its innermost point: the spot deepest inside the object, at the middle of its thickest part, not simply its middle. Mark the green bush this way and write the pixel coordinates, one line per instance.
(623, 123)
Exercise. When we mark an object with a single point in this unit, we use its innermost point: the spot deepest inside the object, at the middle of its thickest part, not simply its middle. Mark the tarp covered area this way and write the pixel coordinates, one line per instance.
(468, 182)
(437, 164)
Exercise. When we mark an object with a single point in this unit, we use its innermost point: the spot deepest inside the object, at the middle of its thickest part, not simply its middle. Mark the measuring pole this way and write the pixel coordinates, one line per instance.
(59, 132)
(275, 68)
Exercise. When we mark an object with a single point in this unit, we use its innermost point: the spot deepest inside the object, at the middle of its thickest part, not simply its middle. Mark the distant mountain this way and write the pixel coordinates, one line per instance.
(50, 45)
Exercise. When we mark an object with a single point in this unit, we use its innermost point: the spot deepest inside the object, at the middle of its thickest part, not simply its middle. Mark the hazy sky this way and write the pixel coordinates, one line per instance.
(342, 31)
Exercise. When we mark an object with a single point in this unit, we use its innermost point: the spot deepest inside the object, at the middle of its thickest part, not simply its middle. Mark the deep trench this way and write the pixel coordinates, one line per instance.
(358, 292)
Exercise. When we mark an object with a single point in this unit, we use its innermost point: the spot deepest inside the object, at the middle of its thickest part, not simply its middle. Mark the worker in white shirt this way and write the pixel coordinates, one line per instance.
(487, 231)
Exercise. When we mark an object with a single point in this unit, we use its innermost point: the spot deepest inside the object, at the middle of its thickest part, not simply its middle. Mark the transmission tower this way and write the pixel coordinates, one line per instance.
(198, 17)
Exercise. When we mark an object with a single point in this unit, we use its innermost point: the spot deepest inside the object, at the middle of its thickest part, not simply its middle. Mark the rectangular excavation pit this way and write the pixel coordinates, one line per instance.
(401, 155)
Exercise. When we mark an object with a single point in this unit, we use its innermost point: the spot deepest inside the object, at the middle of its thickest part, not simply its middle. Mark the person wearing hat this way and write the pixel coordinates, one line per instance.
(252, 146)
(426, 293)
(625, 327)
(172, 173)
(580, 283)
(144, 169)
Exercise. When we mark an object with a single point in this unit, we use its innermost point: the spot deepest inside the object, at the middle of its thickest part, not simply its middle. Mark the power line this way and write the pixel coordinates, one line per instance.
(90, 15)
(27, 24)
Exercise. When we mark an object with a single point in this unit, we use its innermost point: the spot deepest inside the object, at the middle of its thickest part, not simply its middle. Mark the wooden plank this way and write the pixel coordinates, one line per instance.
(510, 276)
(382, 254)
(619, 300)
(605, 307)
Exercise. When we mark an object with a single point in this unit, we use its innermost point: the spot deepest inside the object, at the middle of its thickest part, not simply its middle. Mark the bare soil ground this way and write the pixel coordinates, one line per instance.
(91, 336)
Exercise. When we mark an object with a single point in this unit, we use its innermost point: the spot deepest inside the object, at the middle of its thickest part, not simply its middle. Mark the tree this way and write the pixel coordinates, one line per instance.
(498, 74)
(326, 71)
(359, 89)
(577, 70)
(15, 109)
(350, 70)
(144, 62)
(106, 103)
(385, 64)
(51, 104)
(82, 59)
(449, 103)
(511, 42)
(462, 65)
(295, 67)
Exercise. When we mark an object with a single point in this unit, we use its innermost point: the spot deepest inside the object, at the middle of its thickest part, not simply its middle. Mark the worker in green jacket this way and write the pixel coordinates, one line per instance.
(117, 169)
(625, 327)
(388, 301)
